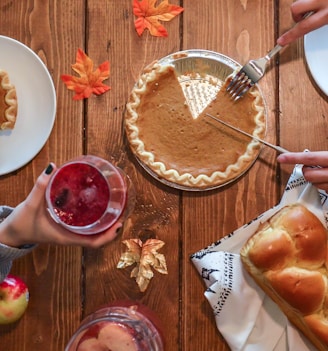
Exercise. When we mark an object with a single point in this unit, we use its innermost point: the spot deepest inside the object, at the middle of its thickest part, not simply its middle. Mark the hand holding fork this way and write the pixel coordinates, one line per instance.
(252, 72)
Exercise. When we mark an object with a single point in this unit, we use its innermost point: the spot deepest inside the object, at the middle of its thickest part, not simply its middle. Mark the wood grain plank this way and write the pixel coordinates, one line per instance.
(303, 107)
(111, 35)
(240, 30)
(54, 31)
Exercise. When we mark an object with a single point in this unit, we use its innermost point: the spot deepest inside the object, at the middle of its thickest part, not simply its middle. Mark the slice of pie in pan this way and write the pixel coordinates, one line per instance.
(196, 153)
(8, 102)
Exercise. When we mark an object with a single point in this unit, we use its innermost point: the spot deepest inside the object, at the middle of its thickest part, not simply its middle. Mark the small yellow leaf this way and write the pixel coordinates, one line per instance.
(146, 257)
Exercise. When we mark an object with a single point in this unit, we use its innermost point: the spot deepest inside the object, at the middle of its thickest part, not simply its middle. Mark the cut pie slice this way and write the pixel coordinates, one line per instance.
(8, 102)
(191, 152)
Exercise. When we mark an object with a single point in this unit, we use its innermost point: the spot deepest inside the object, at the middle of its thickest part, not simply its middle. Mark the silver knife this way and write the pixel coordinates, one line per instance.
(277, 148)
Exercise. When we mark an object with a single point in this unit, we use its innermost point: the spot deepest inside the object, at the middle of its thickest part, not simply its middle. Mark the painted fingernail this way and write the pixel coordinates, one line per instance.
(118, 229)
(49, 169)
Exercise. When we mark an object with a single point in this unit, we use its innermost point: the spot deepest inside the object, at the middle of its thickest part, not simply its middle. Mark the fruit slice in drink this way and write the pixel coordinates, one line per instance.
(119, 327)
(109, 336)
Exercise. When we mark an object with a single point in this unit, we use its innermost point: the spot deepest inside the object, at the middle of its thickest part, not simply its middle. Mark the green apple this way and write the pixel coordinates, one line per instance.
(14, 296)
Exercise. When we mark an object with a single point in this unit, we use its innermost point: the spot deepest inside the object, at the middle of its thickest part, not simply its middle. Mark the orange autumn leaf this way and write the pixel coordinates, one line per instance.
(89, 80)
(149, 16)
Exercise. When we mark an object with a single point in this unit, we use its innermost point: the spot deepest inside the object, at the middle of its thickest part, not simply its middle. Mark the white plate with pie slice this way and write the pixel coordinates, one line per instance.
(316, 54)
(36, 97)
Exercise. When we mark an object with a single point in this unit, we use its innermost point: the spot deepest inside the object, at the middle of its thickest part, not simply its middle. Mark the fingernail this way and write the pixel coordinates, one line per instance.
(118, 229)
(49, 169)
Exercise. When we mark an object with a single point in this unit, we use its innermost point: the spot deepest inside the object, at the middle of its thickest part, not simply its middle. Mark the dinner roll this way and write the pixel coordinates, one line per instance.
(287, 257)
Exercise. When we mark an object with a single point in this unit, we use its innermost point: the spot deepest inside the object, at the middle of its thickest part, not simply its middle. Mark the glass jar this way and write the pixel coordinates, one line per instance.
(121, 327)
(88, 195)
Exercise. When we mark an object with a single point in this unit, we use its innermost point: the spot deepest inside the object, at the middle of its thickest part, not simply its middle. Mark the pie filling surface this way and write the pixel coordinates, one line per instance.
(192, 152)
(8, 102)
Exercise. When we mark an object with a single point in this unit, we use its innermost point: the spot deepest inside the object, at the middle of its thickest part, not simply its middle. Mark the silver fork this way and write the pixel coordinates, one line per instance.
(252, 72)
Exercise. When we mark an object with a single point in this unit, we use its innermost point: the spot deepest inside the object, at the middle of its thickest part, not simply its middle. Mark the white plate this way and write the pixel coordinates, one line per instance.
(36, 98)
(316, 54)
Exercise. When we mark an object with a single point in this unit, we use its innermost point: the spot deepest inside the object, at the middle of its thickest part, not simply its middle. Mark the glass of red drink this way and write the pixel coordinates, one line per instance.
(88, 195)
(119, 327)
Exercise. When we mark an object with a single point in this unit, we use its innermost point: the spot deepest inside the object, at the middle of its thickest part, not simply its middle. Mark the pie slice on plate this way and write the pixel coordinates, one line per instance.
(190, 151)
(8, 102)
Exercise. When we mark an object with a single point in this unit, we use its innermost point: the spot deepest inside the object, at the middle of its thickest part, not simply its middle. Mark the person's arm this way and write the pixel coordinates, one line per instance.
(29, 224)
(7, 253)
(303, 25)
(315, 169)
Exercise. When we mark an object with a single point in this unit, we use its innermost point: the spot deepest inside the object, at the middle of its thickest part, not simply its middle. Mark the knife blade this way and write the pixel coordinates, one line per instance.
(275, 147)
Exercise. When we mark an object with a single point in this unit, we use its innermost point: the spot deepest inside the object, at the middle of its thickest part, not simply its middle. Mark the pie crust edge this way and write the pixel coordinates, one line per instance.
(10, 114)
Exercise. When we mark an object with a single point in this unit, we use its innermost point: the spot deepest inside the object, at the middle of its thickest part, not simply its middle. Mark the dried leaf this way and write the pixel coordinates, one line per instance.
(89, 81)
(149, 16)
(133, 254)
(150, 256)
(146, 257)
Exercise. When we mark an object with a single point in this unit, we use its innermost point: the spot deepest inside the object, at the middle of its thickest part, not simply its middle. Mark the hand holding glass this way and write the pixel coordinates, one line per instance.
(88, 195)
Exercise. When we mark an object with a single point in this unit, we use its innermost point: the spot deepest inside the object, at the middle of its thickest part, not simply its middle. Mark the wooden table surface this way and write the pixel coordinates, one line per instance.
(68, 283)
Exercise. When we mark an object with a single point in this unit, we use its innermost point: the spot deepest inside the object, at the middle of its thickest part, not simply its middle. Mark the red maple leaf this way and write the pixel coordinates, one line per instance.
(90, 81)
(149, 16)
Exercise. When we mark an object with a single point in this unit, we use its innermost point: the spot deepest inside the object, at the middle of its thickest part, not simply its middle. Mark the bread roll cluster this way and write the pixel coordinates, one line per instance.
(287, 257)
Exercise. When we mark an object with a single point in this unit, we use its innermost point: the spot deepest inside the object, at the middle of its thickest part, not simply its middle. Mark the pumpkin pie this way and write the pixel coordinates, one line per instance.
(8, 102)
(191, 152)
